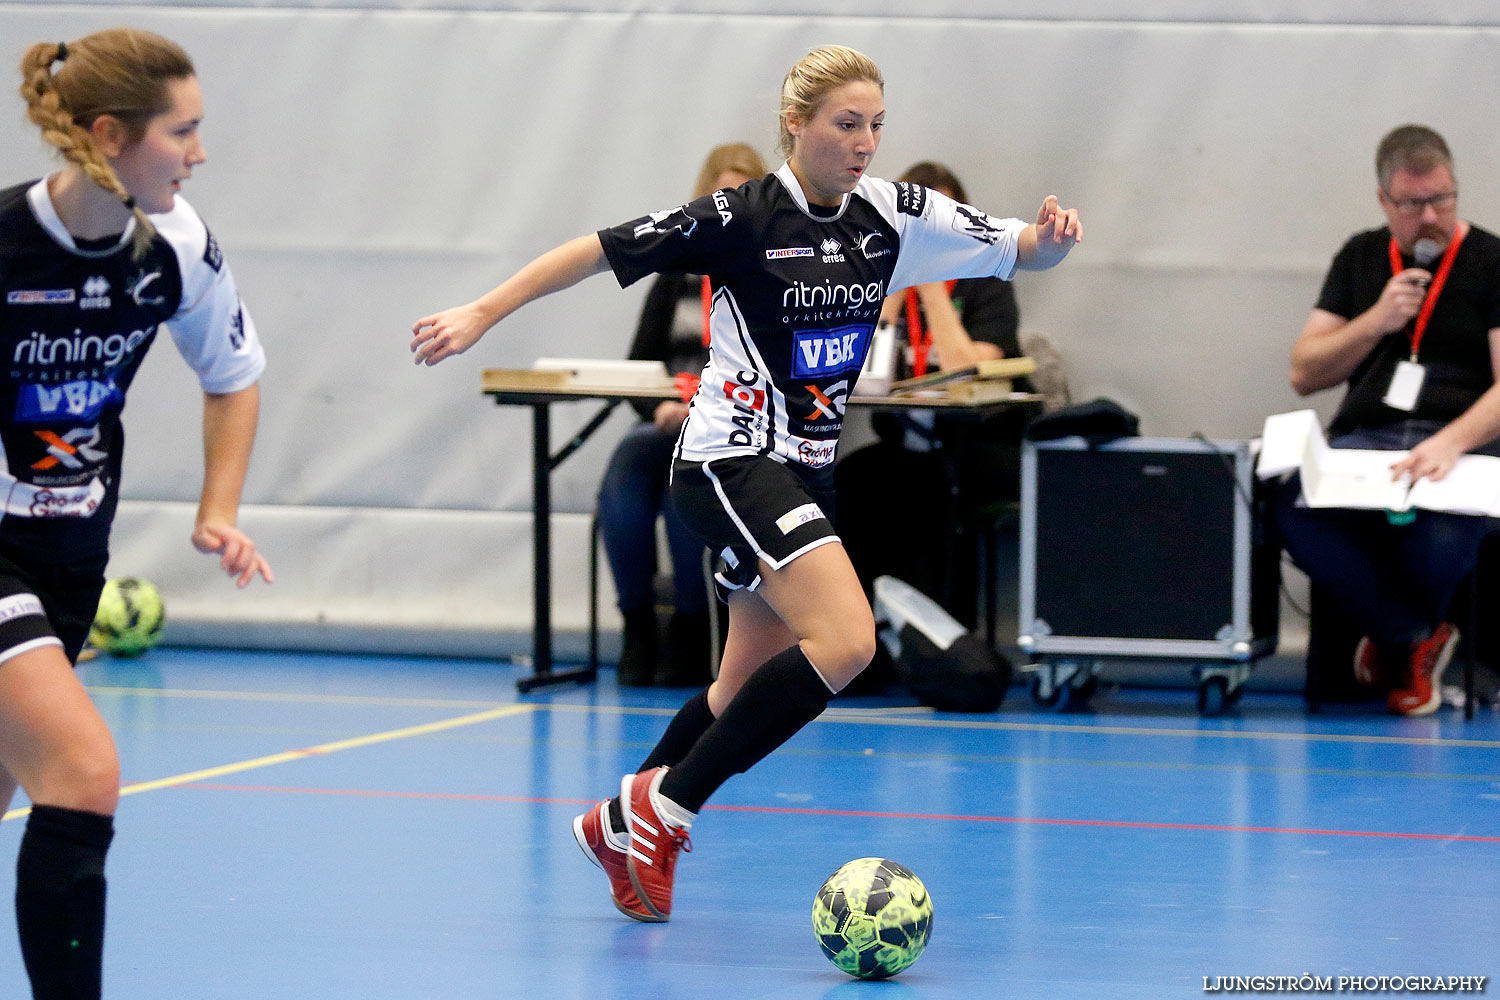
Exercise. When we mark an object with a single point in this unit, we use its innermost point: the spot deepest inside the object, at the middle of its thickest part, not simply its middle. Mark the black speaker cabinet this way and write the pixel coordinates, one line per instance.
(1146, 547)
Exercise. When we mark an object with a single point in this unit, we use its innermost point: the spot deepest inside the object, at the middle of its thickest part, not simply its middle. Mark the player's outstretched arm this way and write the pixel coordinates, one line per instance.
(455, 330)
(228, 434)
(1045, 243)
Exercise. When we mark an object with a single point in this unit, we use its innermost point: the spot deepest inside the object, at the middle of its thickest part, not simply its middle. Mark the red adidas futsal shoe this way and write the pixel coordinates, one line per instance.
(590, 830)
(654, 842)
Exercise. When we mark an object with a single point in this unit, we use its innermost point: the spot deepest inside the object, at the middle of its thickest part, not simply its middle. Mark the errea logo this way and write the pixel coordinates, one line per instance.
(95, 294)
(832, 251)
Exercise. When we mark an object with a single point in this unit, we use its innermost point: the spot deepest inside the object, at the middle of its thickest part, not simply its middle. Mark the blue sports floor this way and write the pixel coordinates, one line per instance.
(315, 826)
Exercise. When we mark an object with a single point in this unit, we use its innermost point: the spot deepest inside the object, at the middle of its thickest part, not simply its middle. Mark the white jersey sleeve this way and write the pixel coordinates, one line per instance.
(942, 238)
(212, 329)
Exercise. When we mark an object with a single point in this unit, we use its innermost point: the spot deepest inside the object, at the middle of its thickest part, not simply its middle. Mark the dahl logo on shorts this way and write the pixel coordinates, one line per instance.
(95, 294)
(786, 252)
(18, 606)
(797, 517)
(41, 297)
(833, 252)
(825, 352)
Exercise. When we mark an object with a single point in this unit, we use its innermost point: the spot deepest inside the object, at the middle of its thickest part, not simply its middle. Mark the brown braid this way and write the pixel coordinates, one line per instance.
(122, 72)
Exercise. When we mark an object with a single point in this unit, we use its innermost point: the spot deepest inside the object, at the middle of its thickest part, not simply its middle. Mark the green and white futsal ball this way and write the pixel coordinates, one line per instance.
(129, 618)
(872, 918)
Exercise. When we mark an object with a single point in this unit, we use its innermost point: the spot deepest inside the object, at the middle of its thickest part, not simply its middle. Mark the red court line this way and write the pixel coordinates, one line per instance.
(868, 814)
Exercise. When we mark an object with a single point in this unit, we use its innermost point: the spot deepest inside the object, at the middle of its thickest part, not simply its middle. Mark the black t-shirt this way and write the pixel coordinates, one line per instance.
(1455, 348)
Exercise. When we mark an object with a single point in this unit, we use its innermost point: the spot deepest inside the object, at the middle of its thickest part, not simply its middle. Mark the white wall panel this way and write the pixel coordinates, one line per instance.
(370, 165)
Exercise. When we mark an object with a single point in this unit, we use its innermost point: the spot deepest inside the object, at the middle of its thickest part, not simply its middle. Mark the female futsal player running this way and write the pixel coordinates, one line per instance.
(92, 259)
(800, 262)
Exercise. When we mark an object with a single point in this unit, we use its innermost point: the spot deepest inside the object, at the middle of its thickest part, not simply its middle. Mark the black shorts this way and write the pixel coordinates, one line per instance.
(47, 605)
(750, 508)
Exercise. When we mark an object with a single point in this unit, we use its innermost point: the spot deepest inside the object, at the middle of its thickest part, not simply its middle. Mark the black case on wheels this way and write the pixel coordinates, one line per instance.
(1147, 548)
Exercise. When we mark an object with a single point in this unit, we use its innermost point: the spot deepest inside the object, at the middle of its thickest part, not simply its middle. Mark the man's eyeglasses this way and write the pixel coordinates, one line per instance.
(1414, 206)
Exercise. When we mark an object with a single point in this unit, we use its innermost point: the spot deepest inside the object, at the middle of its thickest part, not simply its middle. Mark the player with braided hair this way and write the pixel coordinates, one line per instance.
(93, 259)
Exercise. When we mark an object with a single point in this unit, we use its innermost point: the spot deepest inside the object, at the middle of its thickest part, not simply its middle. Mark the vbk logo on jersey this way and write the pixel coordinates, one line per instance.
(786, 252)
(95, 294)
(972, 222)
(745, 395)
(40, 297)
(80, 400)
(828, 405)
(674, 220)
(70, 450)
(832, 251)
(826, 352)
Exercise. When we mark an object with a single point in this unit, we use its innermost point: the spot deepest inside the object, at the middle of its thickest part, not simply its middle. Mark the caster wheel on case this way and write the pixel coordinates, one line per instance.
(1048, 700)
(1213, 696)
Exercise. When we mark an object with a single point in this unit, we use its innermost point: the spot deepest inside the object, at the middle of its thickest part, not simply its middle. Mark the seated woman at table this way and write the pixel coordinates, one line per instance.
(673, 330)
(939, 326)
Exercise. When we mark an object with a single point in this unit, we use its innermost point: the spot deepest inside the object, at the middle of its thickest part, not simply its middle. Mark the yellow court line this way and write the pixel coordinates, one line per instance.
(286, 756)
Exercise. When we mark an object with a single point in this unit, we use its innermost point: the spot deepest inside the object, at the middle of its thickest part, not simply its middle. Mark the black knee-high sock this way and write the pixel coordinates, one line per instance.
(60, 901)
(690, 722)
(784, 694)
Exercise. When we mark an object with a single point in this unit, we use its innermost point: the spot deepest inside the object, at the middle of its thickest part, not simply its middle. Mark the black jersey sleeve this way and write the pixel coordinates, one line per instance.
(702, 237)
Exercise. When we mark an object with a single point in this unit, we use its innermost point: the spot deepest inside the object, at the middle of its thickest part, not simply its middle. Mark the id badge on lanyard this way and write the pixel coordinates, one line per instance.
(1406, 381)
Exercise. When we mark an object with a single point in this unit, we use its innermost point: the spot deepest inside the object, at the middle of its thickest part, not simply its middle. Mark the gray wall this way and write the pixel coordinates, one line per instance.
(371, 162)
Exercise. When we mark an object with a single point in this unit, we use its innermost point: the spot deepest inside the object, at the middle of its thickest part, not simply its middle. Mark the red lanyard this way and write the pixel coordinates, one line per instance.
(1436, 289)
(921, 340)
(708, 307)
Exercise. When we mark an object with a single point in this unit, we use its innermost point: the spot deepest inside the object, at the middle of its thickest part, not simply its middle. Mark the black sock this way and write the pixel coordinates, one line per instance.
(690, 722)
(784, 694)
(60, 901)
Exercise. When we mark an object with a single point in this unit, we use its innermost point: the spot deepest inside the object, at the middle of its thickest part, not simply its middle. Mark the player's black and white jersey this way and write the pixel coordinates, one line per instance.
(796, 297)
(75, 324)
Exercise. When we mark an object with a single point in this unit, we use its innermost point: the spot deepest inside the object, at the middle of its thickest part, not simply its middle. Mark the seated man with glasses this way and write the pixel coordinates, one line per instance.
(1409, 321)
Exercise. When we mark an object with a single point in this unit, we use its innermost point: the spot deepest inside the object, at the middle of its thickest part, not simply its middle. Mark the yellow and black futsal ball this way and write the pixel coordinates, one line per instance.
(872, 918)
(129, 618)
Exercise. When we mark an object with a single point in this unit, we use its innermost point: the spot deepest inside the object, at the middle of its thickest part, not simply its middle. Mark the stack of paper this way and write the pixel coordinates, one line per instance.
(1349, 477)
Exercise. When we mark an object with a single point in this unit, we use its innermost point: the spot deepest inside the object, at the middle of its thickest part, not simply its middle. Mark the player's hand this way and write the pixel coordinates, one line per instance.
(449, 332)
(238, 555)
(1401, 299)
(1057, 225)
(1431, 459)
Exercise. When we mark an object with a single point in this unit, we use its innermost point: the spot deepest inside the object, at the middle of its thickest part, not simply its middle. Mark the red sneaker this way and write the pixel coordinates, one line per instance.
(1423, 692)
(589, 831)
(654, 842)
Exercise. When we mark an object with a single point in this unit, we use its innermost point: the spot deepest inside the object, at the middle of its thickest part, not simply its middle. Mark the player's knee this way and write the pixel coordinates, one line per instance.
(842, 660)
(87, 779)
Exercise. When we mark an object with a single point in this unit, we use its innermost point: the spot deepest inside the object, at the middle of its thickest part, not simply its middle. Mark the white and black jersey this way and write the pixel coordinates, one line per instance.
(796, 297)
(76, 320)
